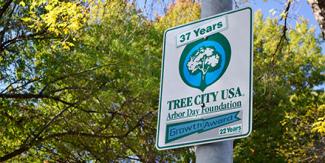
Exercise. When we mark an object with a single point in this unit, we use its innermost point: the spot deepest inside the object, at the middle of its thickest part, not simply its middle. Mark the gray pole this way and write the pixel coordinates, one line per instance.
(220, 152)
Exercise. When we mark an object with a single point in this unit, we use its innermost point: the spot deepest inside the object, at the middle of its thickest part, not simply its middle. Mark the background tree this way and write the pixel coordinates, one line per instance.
(283, 75)
(30, 69)
(90, 91)
(100, 104)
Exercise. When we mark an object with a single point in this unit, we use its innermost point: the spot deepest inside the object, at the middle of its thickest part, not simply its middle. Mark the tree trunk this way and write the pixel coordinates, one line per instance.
(318, 7)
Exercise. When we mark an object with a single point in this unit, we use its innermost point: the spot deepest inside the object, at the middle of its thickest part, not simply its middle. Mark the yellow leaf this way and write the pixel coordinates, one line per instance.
(22, 3)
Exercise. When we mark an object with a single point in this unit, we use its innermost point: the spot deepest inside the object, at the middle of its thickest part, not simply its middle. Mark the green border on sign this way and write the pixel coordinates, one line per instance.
(250, 85)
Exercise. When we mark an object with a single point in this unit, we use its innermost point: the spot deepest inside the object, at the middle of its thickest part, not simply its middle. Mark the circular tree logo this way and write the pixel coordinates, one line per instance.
(203, 62)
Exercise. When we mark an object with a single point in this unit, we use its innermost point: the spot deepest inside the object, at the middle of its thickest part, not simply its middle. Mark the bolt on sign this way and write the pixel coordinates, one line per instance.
(206, 81)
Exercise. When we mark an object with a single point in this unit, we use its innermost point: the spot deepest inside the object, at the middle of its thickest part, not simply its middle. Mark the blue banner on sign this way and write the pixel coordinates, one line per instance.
(179, 130)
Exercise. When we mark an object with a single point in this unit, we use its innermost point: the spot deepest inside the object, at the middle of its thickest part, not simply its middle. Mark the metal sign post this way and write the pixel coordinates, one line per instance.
(220, 151)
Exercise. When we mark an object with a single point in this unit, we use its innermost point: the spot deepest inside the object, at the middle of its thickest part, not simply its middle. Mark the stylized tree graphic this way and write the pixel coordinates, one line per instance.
(203, 60)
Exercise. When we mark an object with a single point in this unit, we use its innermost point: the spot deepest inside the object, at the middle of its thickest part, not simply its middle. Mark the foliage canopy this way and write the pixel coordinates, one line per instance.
(79, 80)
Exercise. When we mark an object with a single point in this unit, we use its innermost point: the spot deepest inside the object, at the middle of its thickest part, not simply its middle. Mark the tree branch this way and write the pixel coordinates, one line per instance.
(70, 75)
(27, 145)
(23, 37)
(34, 96)
(13, 154)
(5, 7)
(284, 32)
(5, 27)
(27, 82)
(37, 140)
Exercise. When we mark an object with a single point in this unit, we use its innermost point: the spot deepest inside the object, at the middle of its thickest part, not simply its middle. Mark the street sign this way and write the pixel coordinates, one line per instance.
(206, 81)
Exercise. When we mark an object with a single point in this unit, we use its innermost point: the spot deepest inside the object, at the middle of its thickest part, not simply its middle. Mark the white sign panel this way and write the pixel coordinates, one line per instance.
(206, 81)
